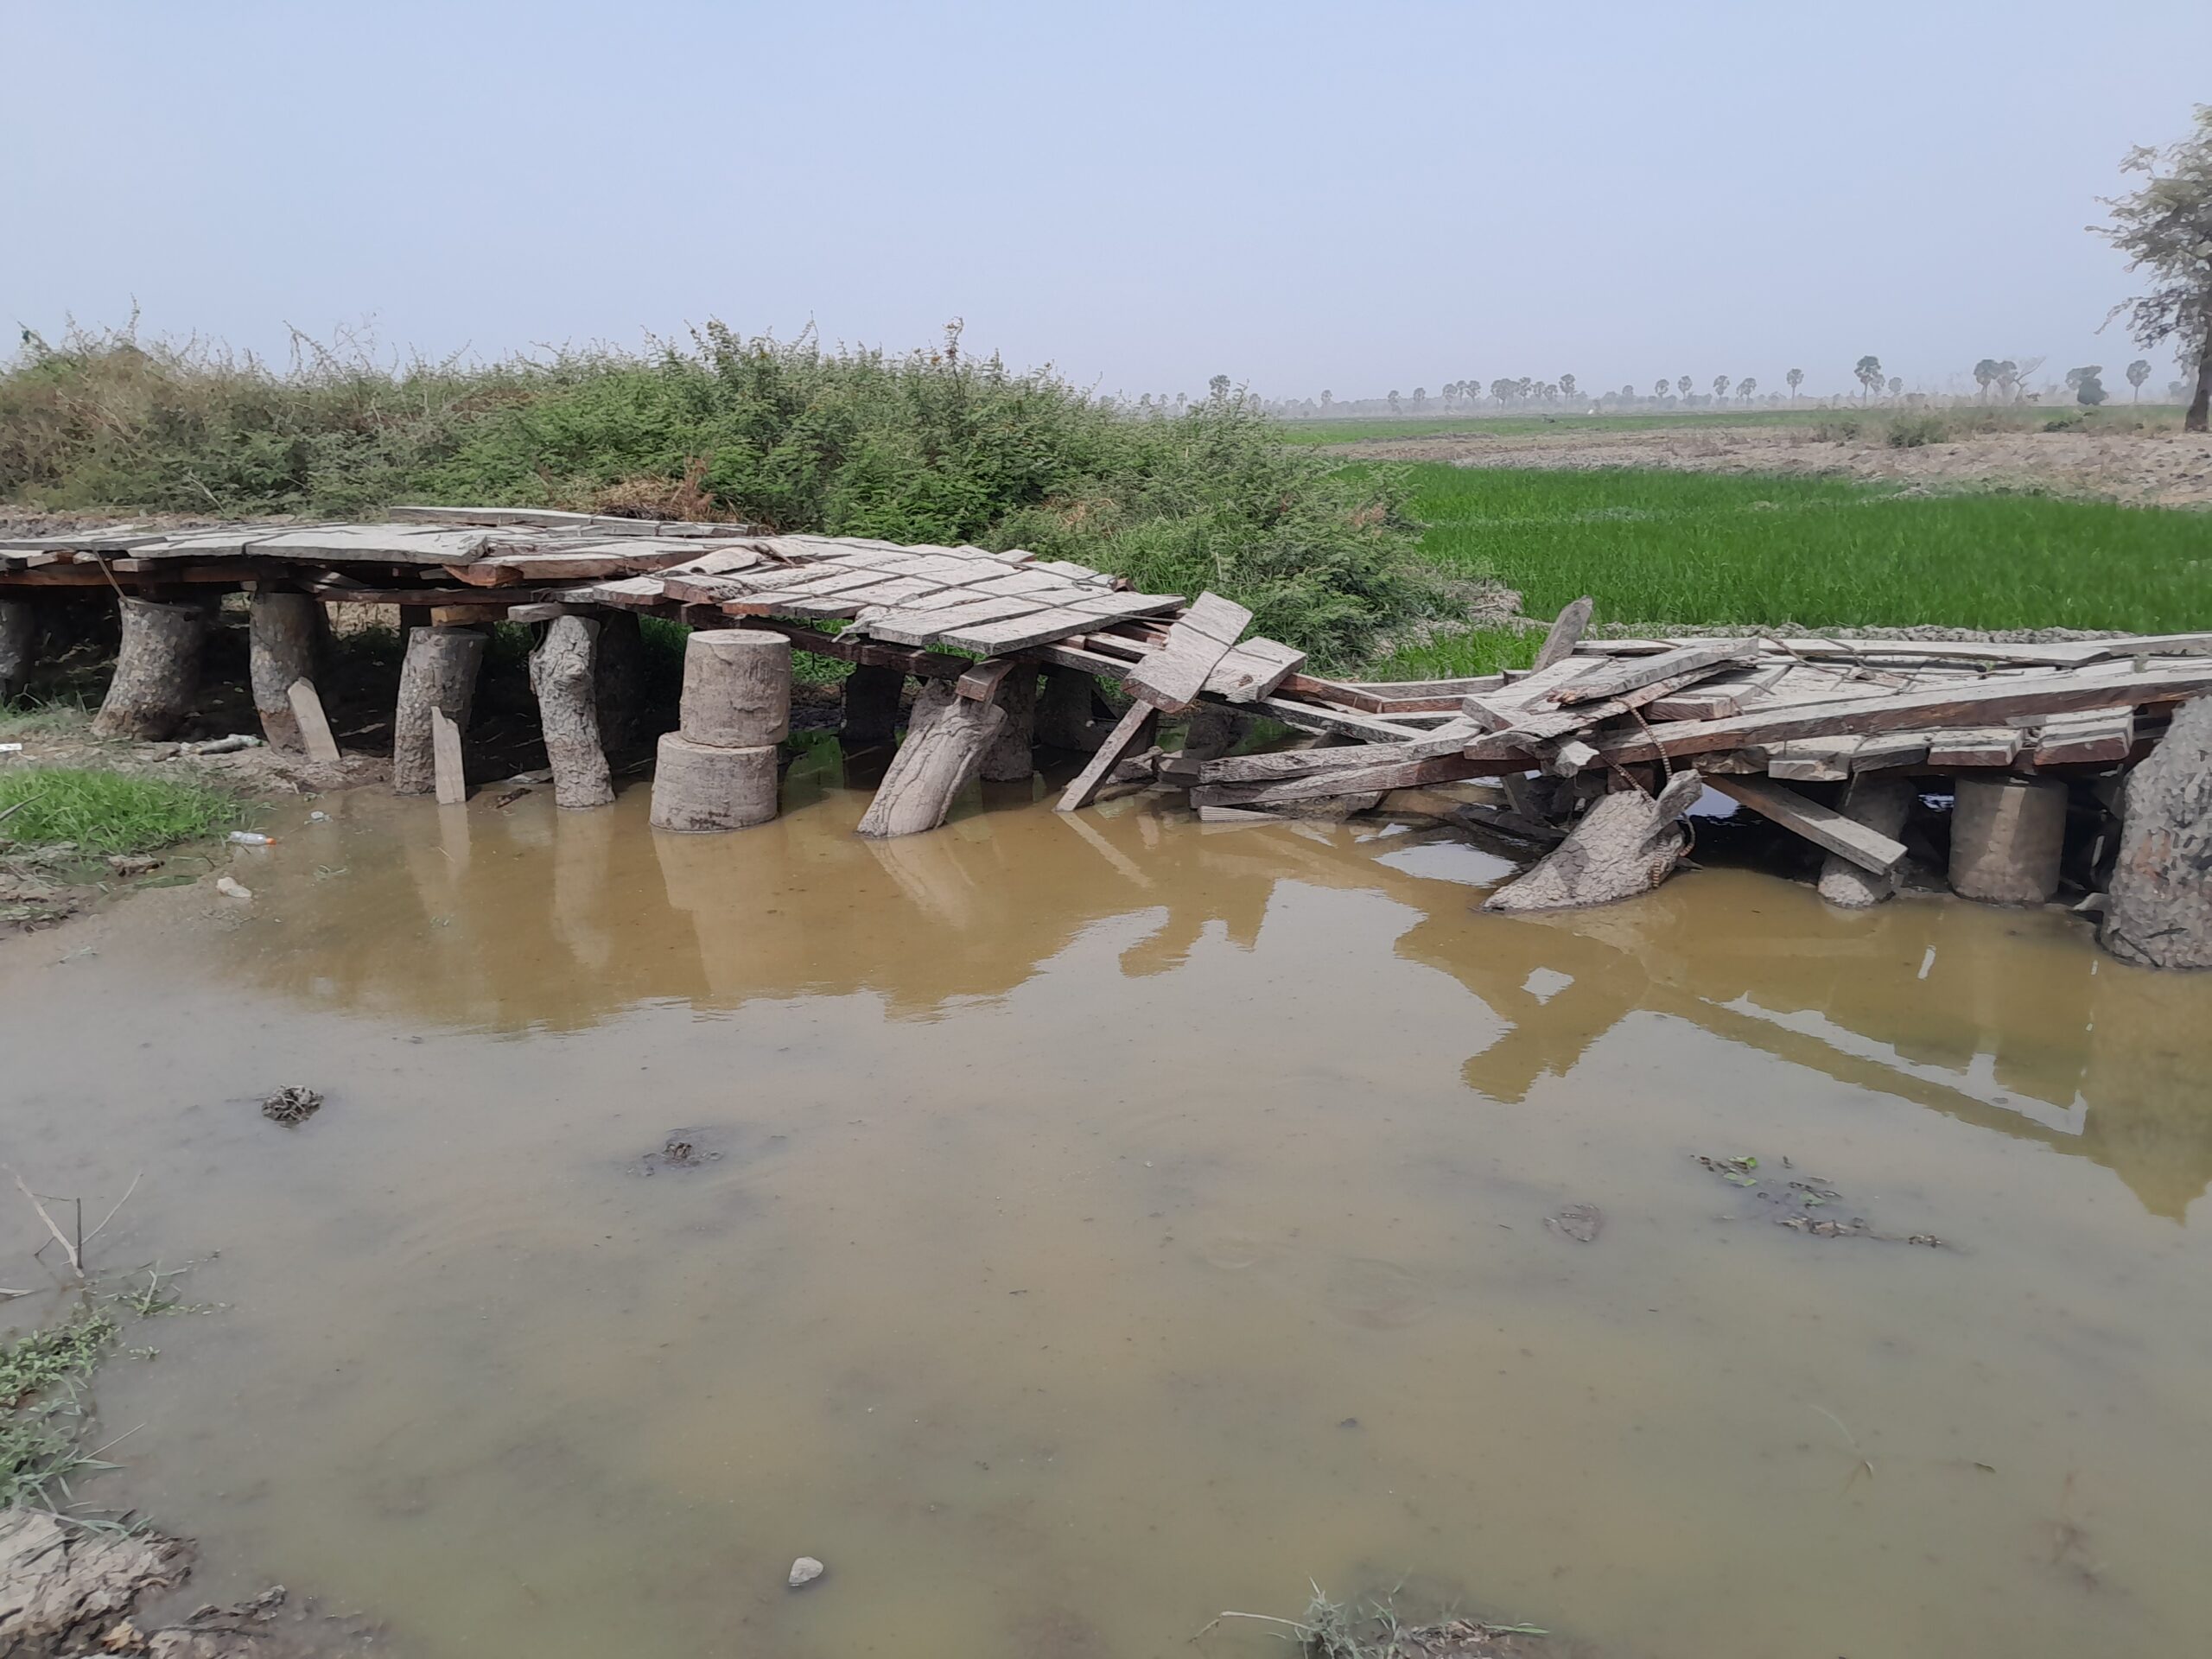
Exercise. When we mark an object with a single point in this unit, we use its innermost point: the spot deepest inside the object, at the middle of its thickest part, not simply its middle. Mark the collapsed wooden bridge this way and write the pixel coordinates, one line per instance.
(1595, 754)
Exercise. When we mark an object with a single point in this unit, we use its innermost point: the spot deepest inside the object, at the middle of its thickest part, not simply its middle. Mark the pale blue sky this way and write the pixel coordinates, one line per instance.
(1351, 196)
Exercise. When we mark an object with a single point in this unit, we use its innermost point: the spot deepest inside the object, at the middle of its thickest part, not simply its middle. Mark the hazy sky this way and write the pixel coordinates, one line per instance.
(1356, 196)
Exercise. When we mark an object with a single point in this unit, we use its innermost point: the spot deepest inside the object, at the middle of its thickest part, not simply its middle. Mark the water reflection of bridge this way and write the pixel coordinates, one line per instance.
(532, 920)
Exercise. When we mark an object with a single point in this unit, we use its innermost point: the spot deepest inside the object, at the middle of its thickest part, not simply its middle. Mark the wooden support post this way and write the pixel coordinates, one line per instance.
(1063, 719)
(1008, 760)
(561, 673)
(439, 671)
(18, 641)
(1133, 732)
(1880, 801)
(157, 670)
(2006, 837)
(737, 688)
(282, 634)
(2159, 912)
(700, 787)
(622, 680)
(1626, 843)
(449, 776)
(944, 750)
(872, 694)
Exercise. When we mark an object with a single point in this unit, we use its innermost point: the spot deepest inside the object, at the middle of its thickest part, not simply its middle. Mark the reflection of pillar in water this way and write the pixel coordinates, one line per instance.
(2148, 1119)
(932, 872)
(584, 856)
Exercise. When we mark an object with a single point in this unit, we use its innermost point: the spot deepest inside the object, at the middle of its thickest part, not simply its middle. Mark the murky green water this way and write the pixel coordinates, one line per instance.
(1114, 1220)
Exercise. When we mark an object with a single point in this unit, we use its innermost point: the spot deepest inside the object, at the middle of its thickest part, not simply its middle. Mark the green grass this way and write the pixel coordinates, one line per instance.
(108, 811)
(1844, 420)
(1692, 548)
(39, 1373)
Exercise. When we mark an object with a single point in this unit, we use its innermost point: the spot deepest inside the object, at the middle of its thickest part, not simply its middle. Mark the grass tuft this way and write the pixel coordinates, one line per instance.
(38, 1375)
(108, 811)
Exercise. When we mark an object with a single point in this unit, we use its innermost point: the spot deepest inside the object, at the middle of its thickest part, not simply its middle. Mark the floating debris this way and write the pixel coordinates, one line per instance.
(1579, 1222)
(293, 1105)
(804, 1571)
(1791, 1203)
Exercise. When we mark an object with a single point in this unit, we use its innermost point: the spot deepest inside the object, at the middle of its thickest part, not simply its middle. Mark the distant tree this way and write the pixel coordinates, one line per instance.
(1659, 390)
(1797, 379)
(2165, 230)
(1524, 387)
(1218, 388)
(1566, 385)
(1394, 403)
(1327, 397)
(1897, 385)
(1720, 387)
(2089, 390)
(1502, 391)
(1683, 385)
(1985, 376)
(1869, 375)
(1421, 397)
(1628, 393)
(1745, 387)
(2137, 372)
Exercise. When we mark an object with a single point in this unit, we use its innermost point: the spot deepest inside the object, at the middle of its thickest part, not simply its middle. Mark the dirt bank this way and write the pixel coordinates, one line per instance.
(2170, 469)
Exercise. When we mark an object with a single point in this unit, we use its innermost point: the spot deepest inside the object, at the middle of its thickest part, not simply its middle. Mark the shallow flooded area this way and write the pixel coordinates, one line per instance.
(1068, 1228)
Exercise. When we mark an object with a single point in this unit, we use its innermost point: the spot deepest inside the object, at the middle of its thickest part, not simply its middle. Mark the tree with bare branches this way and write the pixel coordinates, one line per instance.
(2164, 228)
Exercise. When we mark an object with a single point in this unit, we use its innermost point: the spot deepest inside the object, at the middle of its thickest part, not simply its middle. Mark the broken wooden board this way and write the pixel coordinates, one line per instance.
(1171, 678)
(1255, 669)
(1131, 734)
(1814, 759)
(1306, 763)
(1645, 672)
(451, 783)
(315, 724)
(1823, 826)
(1355, 780)
(1567, 631)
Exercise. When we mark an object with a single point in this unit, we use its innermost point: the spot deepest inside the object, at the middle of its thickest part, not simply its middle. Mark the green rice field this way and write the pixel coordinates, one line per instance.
(1701, 548)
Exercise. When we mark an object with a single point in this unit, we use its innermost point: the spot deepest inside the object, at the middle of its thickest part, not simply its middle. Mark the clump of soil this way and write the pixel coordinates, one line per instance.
(292, 1105)
(684, 1149)
(66, 1589)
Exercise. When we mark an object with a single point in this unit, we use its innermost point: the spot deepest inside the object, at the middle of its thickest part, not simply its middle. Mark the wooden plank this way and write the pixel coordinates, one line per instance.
(1815, 759)
(1131, 733)
(1974, 746)
(1256, 667)
(2074, 739)
(1171, 678)
(451, 783)
(1567, 631)
(1823, 826)
(1319, 717)
(981, 683)
(1304, 763)
(1997, 696)
(856, 648)
(1502, 710)
(542, 612)
(1353, 780)
(314, 725)
(1644, 671)
(1883, 751)
(913, 627)
(477, 598)
(1021, 633)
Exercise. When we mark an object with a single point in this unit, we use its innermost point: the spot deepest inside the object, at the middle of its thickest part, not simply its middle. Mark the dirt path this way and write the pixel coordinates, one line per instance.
(2170, 469)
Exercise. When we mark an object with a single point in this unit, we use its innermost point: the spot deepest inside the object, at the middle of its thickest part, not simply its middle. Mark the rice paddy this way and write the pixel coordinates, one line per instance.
(1703, 548)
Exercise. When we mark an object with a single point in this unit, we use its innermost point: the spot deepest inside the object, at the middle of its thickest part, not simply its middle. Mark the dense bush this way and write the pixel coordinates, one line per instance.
(932, 446)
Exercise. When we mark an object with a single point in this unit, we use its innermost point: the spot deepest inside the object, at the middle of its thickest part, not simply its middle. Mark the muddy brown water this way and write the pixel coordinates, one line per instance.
(1098, 1223)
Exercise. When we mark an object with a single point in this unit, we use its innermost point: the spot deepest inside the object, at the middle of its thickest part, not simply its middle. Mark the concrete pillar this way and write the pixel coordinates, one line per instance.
(2005, 837)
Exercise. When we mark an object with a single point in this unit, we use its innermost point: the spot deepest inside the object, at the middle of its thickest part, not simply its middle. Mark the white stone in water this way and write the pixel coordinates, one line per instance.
(805, 1571)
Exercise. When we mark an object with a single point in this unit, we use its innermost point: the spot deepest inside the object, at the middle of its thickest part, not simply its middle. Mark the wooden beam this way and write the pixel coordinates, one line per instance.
(452, 783)
(1171, 678)
(315, 724)
(1134, 731)
(1822, 825)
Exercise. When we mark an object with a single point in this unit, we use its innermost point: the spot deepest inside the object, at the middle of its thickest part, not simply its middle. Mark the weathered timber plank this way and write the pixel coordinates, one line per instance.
(1815, 759)
(1566, 632)
(451, 784)
(1171, 678)
(2074, 738)
(1355, 780)
(1342, 722)
(1644, 671)
(1884, 751)
(315, 724)
(917, 627)
(1303, 763)
(1974, 746)
(1131, 733)
(1822, 825)
(1997, 697)
(1020, 632)
(1504, 708)
(1255, 668)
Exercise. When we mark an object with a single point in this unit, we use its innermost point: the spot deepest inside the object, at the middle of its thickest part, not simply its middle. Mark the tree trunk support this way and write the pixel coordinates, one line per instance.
(1009, 759)
(561, 673)
(872, 694)
(157, 670)
(1881, 804)
(737, 688)
(1626, 844)
(283, 632)
(2006, 834)
(944, 750)
(702, 788)
(439, 671)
